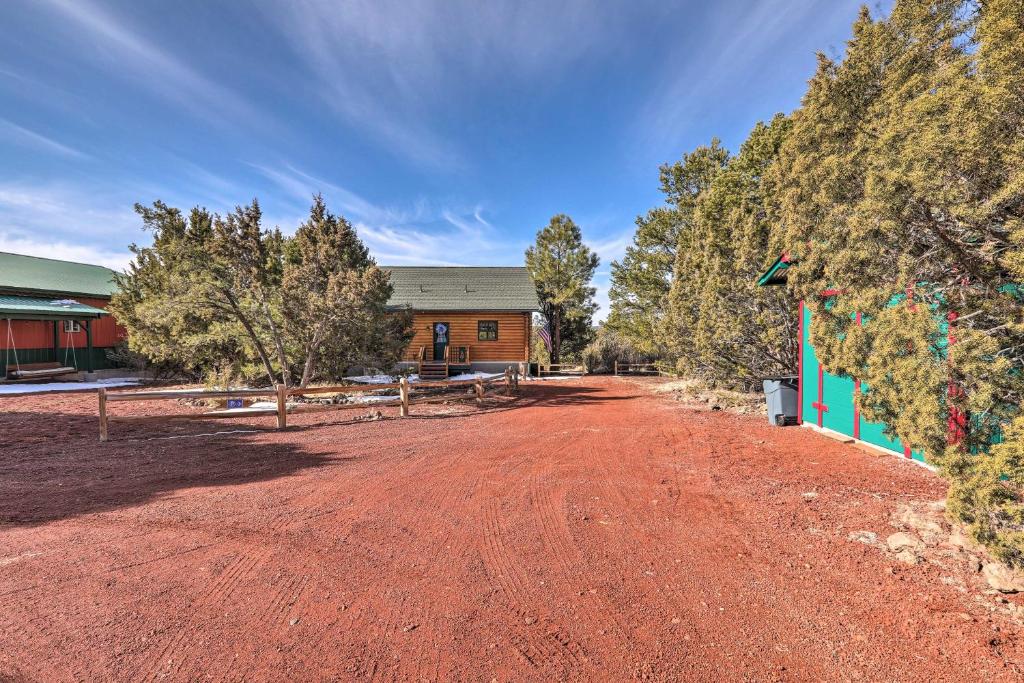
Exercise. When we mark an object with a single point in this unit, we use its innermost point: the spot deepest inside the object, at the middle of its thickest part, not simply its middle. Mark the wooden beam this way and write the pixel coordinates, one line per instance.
(165, 395)
(223, 415)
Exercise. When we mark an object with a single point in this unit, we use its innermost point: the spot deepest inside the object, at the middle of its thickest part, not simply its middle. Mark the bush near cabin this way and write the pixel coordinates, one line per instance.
(226, 298)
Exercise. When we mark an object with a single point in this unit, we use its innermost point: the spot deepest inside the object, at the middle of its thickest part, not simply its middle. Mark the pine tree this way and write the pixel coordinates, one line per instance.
(730, 331)
(562, 268)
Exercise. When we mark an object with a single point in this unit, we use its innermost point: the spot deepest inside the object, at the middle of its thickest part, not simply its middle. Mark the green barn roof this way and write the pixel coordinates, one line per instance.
(35, 275)
(462, 288)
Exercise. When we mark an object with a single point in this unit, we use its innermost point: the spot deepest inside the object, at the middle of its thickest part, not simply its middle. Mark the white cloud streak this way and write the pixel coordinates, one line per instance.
(23, 136)
(64, 251)
(418, 235)
(395, 67)
(107, 37)
(738, 42)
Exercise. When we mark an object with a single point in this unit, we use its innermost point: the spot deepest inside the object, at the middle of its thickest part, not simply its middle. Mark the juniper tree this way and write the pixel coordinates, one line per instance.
(334, 299)
(902, 185)
(721, 326)
(641, 281)
(562, 268)
(223, 295)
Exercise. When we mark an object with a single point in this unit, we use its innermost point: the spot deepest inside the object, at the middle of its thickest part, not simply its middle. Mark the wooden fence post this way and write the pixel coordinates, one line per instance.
(282, 406)
(616, 367)
(103, 413)
(403, 391)
(479, 385)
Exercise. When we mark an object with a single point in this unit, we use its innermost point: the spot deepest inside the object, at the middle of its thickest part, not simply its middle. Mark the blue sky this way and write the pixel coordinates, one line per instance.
(448, 132)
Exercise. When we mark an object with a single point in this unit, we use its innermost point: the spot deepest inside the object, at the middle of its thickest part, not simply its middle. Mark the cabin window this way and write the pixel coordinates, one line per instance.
(487, 330)
(72, 326)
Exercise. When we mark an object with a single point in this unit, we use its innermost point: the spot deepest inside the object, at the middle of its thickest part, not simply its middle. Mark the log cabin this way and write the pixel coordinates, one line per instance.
(465, 318)
(53, 319)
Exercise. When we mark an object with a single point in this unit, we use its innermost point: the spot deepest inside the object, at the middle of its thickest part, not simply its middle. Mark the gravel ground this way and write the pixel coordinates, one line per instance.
(583, 530)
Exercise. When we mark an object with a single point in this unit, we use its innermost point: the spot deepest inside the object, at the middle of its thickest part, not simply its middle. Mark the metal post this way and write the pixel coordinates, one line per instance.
(88, 346)
(103, 414)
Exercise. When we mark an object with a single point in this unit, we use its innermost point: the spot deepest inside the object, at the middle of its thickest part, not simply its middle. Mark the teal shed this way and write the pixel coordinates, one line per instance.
(825, 400)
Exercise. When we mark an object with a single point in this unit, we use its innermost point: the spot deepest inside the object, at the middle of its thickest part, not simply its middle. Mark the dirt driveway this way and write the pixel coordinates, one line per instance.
(586, 530)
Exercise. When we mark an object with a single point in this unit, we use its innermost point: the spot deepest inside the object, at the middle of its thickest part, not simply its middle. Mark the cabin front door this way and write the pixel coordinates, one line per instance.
(440, 340)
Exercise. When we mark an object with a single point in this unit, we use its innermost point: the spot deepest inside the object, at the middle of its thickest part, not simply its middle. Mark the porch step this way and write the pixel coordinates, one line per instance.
(433, 371)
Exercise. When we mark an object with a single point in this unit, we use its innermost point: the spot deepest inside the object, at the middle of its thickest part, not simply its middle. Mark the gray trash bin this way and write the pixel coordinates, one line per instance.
(780, 394)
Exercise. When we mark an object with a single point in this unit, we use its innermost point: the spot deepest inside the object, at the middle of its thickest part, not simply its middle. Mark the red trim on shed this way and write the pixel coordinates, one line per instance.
(957, 423)
(800, 370)
(856, 398)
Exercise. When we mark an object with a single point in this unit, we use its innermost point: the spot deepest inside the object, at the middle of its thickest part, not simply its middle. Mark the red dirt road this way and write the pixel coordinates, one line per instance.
(586, 530)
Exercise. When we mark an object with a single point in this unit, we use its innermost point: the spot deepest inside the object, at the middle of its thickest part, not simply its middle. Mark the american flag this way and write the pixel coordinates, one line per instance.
(545, 335)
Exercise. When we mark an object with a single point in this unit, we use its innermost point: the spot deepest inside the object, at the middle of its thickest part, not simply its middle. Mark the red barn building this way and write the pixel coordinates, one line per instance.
(53, 315)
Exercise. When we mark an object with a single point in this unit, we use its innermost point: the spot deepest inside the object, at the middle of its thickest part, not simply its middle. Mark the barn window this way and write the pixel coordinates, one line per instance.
(72, 326)
(487, 330)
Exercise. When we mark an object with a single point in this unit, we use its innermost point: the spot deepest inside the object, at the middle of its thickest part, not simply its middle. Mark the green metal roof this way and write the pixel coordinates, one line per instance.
(776, 275)
(32, 274)
(36, 308)
(462, 288)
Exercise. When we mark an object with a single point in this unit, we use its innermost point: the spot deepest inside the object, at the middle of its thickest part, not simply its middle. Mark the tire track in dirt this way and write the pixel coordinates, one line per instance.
(169, 659)
(556, 535)
(551, 649)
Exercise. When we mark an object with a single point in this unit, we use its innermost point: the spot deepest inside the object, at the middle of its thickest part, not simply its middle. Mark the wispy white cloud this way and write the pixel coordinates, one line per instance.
(741, 46)
(23, 136)
(419, 234)
(64, 251)
(394, 68)
(612, 247)
(65, 213)
(107, 37)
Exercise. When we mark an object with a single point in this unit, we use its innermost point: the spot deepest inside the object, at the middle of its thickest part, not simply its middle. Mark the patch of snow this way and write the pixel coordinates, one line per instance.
(375, 379)
(372, 399)
(475, 375)
(13, 389)
(549, 378)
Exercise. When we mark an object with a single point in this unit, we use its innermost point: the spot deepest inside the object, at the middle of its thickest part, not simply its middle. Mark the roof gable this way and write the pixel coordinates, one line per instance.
(20, 273)
(776, 274)
(462, 288)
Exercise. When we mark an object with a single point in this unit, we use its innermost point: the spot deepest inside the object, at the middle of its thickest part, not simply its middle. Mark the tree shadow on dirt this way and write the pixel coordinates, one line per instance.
(54, 467)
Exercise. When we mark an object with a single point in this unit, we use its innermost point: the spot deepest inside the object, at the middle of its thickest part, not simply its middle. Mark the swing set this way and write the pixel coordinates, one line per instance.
(28, 372)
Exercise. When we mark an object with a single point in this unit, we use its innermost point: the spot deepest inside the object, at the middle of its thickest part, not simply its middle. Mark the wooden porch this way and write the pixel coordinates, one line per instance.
(456, 360)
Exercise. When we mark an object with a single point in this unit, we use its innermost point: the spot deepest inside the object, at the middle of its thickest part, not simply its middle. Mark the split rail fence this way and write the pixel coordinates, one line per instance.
(638, 369)
(561, 369)
(404, 400)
